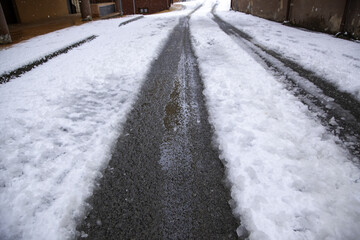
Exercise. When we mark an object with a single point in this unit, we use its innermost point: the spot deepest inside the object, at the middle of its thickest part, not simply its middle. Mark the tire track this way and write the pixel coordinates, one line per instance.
(338, 111)
(6, 77)
(165, 180)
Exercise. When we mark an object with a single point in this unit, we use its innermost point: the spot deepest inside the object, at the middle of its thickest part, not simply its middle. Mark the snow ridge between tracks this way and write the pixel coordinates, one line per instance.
(290, 180)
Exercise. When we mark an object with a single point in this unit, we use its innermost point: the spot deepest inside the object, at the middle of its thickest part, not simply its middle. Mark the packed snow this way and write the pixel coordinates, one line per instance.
(289, 178)
(38, 47)
(334, 59)
(59, 121)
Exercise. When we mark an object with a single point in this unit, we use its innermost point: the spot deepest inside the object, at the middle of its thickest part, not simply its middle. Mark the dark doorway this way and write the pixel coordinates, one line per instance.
(9, 11)
(71, 7)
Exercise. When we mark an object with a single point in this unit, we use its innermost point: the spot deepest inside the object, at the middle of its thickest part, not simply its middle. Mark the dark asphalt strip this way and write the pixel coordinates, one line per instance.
(320, 95)
(131, 20)
(4, 78)
(165, 179)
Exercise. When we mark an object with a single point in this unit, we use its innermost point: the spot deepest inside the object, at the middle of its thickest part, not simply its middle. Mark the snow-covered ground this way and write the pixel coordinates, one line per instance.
(290, 180)
(59, 121)
(334, 59)
(28, 51)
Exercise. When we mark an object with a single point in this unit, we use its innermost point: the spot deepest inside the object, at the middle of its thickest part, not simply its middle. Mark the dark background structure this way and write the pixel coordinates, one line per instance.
(331, 16)
(15, 12)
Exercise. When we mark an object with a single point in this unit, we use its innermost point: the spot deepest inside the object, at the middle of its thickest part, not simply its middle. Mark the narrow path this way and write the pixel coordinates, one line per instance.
(165, 180)
(338, 111)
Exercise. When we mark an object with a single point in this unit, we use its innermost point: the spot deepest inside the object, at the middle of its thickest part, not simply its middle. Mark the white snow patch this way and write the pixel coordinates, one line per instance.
(290, 180)
(35, 48)
(58, 122)
(334, 59)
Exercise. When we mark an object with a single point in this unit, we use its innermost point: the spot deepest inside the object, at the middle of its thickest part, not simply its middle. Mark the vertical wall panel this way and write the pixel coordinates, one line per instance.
(31, 10)
(318, 15)
(352, 24)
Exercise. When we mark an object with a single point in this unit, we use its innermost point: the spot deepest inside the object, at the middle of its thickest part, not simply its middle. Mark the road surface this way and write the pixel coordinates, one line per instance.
(160, 120)
(320, 96)
(165, 179)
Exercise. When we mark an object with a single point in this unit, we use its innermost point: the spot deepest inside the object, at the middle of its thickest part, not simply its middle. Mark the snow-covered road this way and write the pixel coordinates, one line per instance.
(164, 177)
(59, 121)
(290, 177)
(337, 110)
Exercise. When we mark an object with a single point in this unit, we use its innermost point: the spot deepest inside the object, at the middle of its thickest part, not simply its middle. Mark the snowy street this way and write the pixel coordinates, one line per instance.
(201, 123)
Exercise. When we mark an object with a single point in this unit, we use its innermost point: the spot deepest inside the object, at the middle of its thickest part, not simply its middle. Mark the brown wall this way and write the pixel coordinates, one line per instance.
(319, 15)
(34, 10)
(9, 11)
(101, 1)
(4, 30)
(269, 9)
(153, 5)
(352, 24)
(127, 6)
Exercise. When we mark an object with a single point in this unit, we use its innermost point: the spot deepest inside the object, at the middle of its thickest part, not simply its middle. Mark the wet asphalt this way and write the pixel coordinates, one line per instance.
(338, 111)
(165, 179)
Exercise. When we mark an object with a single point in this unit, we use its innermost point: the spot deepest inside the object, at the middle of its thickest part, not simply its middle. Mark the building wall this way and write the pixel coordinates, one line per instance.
(153, 5)
(352, 24)
(127, 6)
(318, 15)
(100, 1)
(35, 10)
(9, 11)
(269, 9)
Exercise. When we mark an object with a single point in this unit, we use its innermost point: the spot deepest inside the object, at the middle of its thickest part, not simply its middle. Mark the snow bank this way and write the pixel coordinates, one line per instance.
(59, 121)
(334, 59)
(290, 180)
(35, 48)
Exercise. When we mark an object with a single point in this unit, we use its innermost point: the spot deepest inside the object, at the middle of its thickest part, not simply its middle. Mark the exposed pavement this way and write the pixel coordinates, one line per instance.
(165, 179)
